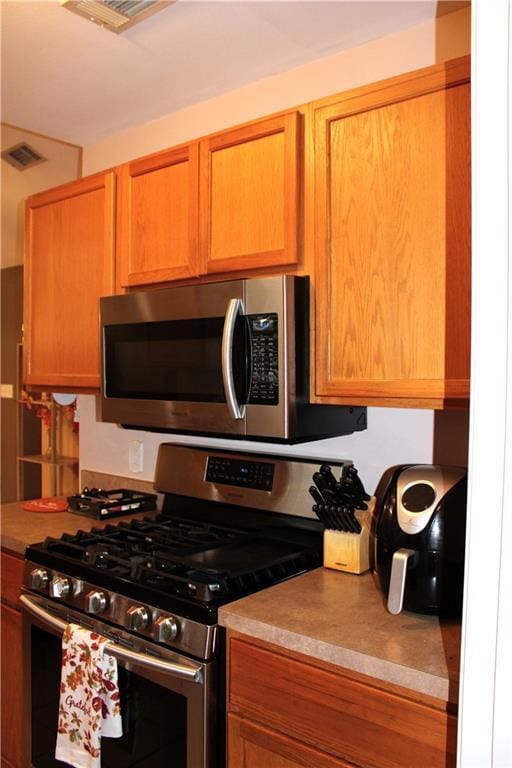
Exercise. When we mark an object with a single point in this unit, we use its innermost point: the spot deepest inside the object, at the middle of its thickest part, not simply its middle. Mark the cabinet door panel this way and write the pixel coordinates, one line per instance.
(249, 196)
(252, 746)
(158, 204)
(392, 243)
(334, 714)
(12, 576)
(12, 687)
(69, 265)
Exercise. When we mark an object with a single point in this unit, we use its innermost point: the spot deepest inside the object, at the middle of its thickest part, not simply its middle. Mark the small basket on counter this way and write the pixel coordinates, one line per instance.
(101, 504)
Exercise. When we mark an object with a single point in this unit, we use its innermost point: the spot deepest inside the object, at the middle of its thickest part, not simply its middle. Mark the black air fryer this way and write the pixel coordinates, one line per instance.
(419, 539)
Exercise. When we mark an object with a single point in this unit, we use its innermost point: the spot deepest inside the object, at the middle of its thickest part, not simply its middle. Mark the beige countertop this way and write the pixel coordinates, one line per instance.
(341, 618)
(331, 616)
(20, 528)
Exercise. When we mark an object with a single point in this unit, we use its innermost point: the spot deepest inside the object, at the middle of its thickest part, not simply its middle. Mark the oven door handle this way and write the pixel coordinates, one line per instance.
(184, 670)
(235, 307)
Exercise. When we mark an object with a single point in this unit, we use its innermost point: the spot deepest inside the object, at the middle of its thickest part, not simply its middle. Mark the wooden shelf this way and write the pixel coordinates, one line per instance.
(47, 403)
(40, 459)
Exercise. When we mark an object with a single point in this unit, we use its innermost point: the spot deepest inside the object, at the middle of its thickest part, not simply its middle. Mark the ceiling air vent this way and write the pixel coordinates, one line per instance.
(22, 156)
(116, 15)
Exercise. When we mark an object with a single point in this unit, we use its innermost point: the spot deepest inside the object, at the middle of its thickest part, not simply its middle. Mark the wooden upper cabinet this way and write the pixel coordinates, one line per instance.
(392, 241)
(249, 196)
(69, 264)
(157, 217)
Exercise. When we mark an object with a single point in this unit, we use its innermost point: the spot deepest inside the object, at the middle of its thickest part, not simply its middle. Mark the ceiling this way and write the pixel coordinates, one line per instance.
(65, 77)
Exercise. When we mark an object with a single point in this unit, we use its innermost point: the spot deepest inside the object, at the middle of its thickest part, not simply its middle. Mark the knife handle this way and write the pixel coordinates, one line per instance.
(329, 497)
(316, 495)
(352, 476)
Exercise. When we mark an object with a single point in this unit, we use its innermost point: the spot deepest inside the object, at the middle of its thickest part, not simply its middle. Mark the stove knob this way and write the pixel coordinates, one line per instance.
(166, 628)
(95, 602)
(60, 587)
(138, 617)
(39, 578)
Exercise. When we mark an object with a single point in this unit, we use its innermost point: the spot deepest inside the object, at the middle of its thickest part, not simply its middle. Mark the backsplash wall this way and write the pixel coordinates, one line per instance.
(394, 436)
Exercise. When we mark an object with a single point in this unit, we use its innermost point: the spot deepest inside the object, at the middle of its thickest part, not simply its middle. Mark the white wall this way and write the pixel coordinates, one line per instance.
(484, 724)
(62, 164)
(393, 435)
(413, 48)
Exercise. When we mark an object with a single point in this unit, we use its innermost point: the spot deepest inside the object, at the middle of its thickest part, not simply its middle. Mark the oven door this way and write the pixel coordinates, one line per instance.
(168, 701)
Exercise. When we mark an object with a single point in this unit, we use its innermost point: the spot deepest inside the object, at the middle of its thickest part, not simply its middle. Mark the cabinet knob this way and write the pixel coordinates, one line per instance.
(39, 578)
(95, 602)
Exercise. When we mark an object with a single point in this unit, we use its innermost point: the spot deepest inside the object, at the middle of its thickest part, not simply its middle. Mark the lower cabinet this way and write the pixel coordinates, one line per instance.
(253, 746)
(12, 715)
(286, 710)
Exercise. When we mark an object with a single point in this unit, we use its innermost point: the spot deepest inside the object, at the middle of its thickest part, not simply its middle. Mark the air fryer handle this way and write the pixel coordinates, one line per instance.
(397, 580)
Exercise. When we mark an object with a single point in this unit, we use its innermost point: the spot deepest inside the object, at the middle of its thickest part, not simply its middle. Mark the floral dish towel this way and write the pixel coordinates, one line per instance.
(89, 706)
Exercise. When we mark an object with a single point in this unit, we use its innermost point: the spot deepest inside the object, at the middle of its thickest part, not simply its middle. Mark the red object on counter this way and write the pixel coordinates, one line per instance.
(50, 504)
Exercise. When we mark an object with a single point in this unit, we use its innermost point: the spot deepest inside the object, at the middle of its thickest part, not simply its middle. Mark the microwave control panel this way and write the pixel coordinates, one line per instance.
(246, 474)
(264, 356)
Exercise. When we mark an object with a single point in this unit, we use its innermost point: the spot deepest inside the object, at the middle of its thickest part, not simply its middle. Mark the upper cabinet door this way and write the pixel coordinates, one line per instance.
(157, 217)
(392, 239)
(249, 196)
(69, 264)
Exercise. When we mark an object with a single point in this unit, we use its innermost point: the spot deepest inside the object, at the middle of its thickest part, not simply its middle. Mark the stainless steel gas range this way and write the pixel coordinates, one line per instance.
(231, 524)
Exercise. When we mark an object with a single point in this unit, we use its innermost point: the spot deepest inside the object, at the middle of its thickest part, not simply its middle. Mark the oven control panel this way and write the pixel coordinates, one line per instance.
(90, 602)
(246, 474)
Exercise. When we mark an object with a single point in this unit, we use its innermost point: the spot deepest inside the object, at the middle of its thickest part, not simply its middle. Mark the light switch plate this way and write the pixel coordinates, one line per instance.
(136, 456)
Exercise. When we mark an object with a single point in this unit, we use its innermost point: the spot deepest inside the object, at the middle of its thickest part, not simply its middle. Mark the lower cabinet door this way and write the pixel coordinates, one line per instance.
(252, 746)
(12, 689)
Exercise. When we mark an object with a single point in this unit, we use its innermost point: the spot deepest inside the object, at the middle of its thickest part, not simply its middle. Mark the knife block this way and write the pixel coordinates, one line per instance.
(350, 552)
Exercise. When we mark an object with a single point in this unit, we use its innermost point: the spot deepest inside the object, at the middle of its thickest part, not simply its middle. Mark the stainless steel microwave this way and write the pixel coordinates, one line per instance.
(229, 358)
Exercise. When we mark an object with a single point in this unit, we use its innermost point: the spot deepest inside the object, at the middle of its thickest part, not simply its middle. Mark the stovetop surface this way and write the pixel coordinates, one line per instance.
(182, 563)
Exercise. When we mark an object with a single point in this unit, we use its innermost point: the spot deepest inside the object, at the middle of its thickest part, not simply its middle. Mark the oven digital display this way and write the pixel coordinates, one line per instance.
(258, 475)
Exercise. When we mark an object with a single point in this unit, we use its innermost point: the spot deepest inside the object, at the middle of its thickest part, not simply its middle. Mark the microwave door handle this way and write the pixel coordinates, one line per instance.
(183, 670)
(235, 307)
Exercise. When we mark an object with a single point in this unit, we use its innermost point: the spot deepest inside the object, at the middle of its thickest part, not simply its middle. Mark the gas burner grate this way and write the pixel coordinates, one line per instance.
(188, 561)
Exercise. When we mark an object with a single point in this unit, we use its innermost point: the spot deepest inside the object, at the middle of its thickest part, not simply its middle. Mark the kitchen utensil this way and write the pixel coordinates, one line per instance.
(320, 511)
(350, 523)
(328, 476)
(323, 486)
(350, 474)
(320, 507)
(317, 496)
